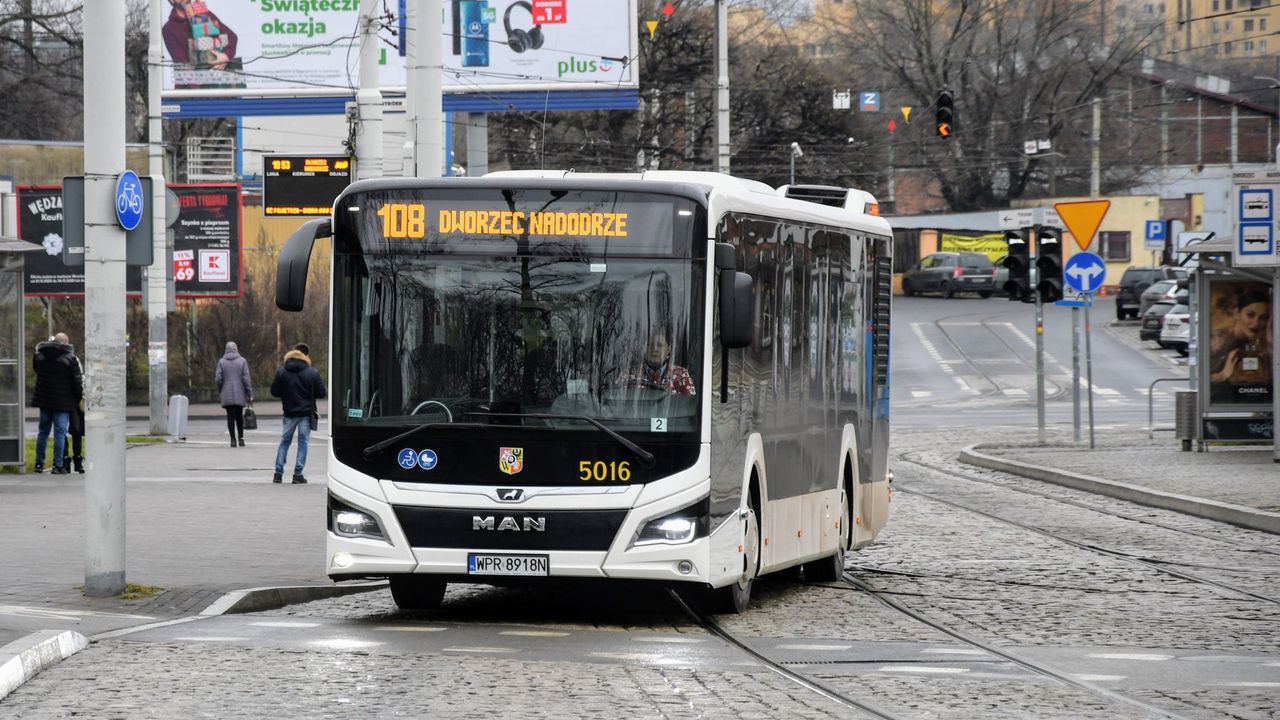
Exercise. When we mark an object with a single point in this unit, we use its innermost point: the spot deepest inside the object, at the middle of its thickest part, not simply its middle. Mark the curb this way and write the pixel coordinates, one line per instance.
(1209, 509)
(273, 598)
(25, 657)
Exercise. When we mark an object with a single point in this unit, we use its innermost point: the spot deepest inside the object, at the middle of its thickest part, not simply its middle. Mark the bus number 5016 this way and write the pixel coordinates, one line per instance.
(602, 471)
(402, 220)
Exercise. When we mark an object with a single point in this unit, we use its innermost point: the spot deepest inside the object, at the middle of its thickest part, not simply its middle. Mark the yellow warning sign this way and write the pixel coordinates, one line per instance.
(1082, 218)
(652, 25)
(906, 113)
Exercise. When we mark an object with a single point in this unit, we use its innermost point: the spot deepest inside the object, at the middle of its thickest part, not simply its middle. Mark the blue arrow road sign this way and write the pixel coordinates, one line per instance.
(129, 202)
(1085, 272)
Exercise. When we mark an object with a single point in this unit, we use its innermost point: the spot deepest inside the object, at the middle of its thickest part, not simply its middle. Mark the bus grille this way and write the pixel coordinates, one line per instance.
(459, 528)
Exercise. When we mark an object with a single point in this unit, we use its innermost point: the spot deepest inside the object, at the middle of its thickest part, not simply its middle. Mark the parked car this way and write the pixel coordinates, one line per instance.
(1135, 281)
(1002, 276)
(949, 273)
(1161, 290)
(1176, 332)
(1153, 321)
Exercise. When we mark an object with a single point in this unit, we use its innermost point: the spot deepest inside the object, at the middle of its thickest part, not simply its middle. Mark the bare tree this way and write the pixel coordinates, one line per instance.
(1017, 70)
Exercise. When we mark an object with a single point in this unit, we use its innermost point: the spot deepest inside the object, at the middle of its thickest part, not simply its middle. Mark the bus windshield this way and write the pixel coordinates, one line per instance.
(437, 332)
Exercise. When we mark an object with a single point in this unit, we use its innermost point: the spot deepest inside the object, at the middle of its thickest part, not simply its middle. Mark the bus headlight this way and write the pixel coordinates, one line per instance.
(677, 528)
(348, 521)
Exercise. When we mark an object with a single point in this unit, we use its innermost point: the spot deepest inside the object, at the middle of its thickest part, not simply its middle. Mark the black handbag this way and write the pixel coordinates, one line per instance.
(250, 419)
(315, 419)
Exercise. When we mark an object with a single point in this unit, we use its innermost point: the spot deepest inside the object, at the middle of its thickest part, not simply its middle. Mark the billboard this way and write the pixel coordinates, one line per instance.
(992, 245)
(313, 45)
(207, 232)
(1239, 331)
(303, 185)
(40, 223)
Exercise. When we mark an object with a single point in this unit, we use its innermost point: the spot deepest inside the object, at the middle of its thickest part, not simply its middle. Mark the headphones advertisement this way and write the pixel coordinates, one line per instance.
(487, 45)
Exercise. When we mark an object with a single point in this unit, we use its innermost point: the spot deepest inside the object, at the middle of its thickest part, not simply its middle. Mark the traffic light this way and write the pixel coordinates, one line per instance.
(944, 115)
(1018, 260)
(1049, 263)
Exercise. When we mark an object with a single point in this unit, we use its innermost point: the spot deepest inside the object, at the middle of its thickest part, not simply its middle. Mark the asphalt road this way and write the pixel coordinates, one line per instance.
(975, 358)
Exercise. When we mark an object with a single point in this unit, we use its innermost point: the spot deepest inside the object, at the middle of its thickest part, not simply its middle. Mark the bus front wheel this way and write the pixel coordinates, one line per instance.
(417, 592)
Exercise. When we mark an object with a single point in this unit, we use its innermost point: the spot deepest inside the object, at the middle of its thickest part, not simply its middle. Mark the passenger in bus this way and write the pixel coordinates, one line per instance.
(657, 371)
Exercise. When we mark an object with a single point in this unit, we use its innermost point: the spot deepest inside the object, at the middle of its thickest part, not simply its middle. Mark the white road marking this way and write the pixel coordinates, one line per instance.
(953, 651)
(802, 646)
(211, 638)
(930, 349)
(1153, 657)
(50, 613)
(1014, 392)
(1250, 684)
(1100, 678)
(478, 649)
(409, 628)
(535, 633)
(921, 393)
(924, 669)
(672, 640)
(964, 385)
(646, 657)
(961, 324)
(1105, 391)
(285, 624)
(344, 644)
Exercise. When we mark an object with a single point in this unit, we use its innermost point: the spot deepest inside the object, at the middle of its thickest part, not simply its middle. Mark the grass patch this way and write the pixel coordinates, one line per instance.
(145, 439)
(31, 452)
(134, 591)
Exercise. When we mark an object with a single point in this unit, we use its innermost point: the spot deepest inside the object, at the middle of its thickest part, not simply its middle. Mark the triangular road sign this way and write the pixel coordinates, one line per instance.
(1082, 218)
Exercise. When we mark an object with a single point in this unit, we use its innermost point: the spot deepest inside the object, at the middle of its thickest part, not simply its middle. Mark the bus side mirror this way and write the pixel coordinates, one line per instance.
(734, 290)
(735, 309)
(291, 273)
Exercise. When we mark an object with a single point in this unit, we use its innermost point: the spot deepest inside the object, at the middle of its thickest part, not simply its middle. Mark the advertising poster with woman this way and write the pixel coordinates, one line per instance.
(1239, 315)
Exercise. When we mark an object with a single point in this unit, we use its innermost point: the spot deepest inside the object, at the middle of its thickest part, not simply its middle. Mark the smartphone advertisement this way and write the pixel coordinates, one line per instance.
(488, 45)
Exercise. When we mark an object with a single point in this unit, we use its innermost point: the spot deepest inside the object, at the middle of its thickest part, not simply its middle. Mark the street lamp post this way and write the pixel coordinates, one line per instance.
(795, 153)
(1275, 303)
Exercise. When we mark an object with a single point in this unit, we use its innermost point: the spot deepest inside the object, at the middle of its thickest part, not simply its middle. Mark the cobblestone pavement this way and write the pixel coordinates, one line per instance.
(1169, 641)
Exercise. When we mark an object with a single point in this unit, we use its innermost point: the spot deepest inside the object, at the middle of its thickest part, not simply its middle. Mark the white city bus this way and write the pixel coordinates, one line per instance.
(677, 377)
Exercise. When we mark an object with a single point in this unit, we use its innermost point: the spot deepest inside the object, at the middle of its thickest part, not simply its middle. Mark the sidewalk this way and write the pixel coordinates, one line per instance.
(1236, 485)
(202, 519)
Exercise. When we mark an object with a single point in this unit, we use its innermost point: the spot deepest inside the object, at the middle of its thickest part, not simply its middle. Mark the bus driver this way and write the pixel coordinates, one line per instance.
(657, 371)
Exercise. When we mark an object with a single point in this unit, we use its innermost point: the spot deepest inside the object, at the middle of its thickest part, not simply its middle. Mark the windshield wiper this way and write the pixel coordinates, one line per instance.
(378, 447)
(645, 456)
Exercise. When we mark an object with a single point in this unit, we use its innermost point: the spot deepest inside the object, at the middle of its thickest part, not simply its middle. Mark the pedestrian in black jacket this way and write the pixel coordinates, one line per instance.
(298, 385)
(59, 388)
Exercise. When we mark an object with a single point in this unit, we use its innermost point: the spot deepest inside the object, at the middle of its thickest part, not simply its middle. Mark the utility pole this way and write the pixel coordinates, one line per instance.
(425, 96)
(157, 274)
(1095, 143)
(1040, 432)
(368, 97)
(722, 86)
(104, 321)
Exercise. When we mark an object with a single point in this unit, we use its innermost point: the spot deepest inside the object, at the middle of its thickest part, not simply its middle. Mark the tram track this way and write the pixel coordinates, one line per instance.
(1163, 567)
(706, 622)
(1036, 668)
(914, 459)
(995, 388)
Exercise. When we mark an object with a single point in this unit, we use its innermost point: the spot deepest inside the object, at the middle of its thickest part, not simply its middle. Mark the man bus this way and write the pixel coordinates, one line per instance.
(677, 377)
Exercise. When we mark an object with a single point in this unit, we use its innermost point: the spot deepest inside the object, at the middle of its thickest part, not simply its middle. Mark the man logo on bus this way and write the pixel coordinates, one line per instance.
(510, 460)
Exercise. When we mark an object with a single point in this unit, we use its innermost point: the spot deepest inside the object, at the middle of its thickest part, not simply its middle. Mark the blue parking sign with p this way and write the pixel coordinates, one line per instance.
(1155, 230)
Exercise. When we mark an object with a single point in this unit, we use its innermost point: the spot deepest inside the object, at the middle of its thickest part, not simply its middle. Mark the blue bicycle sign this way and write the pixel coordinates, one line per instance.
(129, 200)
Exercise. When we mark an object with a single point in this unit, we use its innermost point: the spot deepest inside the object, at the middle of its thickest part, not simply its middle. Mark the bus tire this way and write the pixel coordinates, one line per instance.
(735, 598)
(417, 592)
(831, 567)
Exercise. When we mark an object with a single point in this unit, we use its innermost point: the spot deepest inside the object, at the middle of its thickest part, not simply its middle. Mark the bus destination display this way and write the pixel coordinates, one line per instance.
(303, 185)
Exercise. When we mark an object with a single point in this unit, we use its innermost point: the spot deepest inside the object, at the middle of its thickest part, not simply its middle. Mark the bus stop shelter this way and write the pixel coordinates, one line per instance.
(13, 353)
(1232, 349)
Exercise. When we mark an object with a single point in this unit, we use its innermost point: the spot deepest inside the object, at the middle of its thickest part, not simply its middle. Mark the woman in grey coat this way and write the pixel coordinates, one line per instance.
(233, 383)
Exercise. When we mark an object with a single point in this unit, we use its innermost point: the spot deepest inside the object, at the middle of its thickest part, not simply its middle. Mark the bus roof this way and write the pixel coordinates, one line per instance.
(728, 193)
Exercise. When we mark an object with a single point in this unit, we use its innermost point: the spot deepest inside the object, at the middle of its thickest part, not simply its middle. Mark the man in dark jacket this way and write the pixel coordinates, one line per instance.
(59, 387)
(298, 385)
